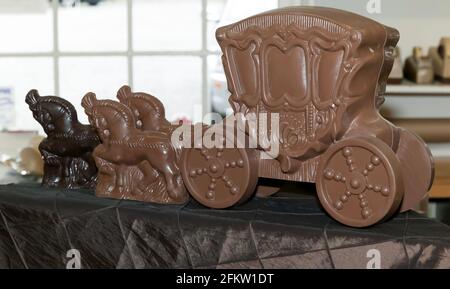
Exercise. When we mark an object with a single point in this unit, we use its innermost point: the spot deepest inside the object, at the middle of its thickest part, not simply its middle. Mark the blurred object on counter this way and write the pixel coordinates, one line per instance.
(440, 57)
(419, 68)
(430, 130)
(12, 168)
(30, 158)
(28, 162)
(396, 75)
(13, 140)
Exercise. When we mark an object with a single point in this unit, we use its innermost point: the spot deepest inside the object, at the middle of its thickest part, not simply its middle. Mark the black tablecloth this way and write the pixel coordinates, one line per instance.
(38, 226)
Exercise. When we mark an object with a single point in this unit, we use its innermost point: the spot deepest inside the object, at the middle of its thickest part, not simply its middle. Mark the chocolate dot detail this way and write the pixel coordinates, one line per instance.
(210, 194)
(375, 160)
(347, 152)
(234, 190)
(329, 174)
(366, 213)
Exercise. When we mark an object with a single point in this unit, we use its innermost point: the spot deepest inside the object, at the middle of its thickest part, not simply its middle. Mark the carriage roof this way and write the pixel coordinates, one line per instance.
(304, 17)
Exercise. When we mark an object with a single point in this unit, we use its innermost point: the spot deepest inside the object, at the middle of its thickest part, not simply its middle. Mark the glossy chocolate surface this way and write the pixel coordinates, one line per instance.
(324, 71)
(135, 158)
(67, 149)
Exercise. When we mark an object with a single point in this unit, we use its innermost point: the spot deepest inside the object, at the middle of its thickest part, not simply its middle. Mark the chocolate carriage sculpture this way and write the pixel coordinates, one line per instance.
(67, 150)
(133, 163)
(324, 71)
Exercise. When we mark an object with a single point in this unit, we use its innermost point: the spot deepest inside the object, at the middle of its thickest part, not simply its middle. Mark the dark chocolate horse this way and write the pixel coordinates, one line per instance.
(67, 150)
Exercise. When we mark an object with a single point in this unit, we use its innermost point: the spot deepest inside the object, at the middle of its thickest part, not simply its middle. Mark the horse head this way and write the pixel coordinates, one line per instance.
(111, 119)
(55, 114)
(148, 110)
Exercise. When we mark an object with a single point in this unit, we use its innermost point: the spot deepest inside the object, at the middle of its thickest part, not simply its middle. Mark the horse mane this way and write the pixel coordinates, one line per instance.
(125, 93)
(33, 98)
(89, 102)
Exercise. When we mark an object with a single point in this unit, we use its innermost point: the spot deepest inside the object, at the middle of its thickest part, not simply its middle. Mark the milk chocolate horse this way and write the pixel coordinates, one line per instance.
(156, 177)
(67, 150)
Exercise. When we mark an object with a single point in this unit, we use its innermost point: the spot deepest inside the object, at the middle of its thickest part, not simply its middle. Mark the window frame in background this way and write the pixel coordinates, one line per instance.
(130, 53)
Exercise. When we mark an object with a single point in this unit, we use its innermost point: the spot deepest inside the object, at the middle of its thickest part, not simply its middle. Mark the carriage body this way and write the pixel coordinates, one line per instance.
(323, 72)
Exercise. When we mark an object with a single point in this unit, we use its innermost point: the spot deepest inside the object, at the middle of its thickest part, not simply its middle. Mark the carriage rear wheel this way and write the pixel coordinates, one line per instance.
(417, 168)
(359, 181)
(220, 177)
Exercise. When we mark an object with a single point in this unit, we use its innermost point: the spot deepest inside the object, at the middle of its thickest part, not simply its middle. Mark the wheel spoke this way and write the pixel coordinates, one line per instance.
(379, 189)
(204, 153)
(335, 176)
(232, 164)
(347, 153)
(366, 211)
(197, 172)
(370, 166)
(342, 200)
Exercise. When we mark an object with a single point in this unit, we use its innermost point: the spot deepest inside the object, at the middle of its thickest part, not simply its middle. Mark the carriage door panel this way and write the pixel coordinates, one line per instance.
(327, 74)
(244, 74)
(286, 76)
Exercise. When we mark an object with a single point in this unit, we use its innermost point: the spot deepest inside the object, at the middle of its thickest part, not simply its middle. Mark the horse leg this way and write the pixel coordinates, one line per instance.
(69, 174)
(52, 168)
(149, 173)
(105, 167)
(90, 173)
(165, 163)
(121, 180)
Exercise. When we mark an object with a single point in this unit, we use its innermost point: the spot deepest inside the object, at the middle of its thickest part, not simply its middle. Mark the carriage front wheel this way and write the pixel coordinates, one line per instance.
(359, 181)
(219, 177)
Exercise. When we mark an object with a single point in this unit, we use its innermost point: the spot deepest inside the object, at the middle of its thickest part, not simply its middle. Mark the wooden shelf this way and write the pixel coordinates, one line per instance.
(415, 101)
(408, 88)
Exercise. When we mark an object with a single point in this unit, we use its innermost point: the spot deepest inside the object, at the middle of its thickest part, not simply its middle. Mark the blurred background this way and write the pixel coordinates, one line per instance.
(168, 48)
